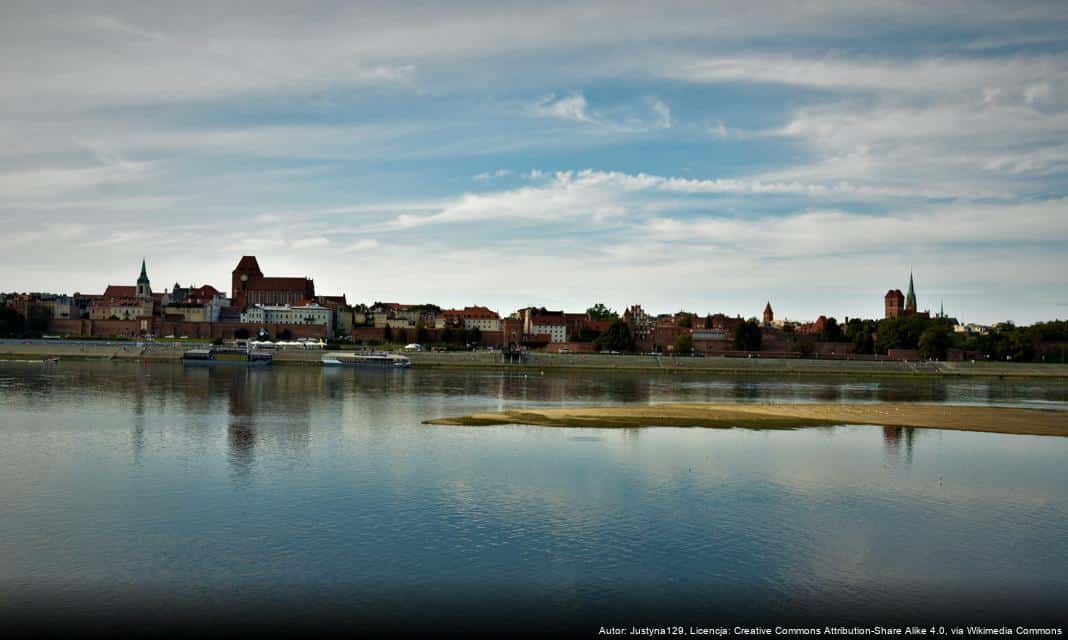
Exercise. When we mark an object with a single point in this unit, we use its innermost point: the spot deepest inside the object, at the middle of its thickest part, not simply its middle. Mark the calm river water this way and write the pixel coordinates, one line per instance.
(294, 493)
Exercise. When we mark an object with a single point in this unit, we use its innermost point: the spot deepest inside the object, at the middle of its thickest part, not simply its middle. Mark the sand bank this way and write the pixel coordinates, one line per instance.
(783, 416)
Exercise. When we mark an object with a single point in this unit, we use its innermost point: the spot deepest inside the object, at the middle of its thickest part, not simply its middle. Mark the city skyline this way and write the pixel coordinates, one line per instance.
(294, 284)
(710, 158)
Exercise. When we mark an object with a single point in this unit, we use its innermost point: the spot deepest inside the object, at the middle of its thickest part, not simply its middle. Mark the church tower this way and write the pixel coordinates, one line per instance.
(910, 298)
(144, 291)
(769, 315)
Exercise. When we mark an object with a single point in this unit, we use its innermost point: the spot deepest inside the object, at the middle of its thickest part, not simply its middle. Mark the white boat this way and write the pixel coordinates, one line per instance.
(374, 359)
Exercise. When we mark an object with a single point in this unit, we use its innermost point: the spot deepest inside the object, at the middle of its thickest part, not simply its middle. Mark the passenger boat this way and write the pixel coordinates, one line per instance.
(351, 359)
(226, 356)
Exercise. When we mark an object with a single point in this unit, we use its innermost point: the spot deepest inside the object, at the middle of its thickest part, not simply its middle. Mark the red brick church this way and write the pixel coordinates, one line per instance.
(250, 287)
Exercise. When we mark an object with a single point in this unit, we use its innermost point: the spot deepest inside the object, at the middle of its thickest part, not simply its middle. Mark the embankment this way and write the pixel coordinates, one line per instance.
(543, 362)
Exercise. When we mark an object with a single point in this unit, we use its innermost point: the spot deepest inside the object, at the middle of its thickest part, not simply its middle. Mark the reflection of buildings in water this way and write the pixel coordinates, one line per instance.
(138, 402)
(254, 393)
(241, 432)
(747, 390)
(892, 437)
(912, 391)
(827, 392)
(241, 438)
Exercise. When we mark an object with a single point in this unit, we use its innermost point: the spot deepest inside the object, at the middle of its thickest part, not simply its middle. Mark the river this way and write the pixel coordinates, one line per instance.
(160, 494)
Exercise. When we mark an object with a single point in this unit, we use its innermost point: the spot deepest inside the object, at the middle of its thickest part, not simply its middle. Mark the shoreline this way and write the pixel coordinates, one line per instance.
(1003, 420)
(538, 363)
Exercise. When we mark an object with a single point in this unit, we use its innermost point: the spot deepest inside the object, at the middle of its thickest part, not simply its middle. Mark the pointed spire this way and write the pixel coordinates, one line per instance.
(910, 297)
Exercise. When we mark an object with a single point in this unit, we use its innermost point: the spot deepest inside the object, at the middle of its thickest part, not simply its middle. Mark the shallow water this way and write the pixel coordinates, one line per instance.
(130, 487)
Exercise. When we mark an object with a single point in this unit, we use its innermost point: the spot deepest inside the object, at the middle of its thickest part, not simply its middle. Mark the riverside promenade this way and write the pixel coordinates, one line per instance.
(539, 362)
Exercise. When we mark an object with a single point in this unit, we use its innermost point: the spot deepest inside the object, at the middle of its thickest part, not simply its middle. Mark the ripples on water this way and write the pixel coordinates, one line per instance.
(123, 483)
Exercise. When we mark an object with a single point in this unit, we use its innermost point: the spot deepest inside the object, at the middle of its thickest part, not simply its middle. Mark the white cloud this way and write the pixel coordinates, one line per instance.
(316, 242)
(663, 113)
(363, 244)
(819, 233)
(571, 107)
(56, 181)
(852, 73)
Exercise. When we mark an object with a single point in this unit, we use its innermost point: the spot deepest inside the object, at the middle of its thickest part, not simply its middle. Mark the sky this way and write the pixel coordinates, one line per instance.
(701, 156)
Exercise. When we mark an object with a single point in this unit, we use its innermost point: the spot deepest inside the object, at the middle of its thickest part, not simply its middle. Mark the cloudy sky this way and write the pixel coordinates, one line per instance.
(699, 156)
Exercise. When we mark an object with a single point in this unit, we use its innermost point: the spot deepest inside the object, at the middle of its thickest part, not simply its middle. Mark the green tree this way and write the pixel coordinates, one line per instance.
(934, 342)
(831, 332)
(685, 321)
(617, 338)
(601, 312)
(420, 332)
(387, 334)
(11, 322)
(861, 333)
(684, 343)
(473, 336)
(747, 336)
(447, 334)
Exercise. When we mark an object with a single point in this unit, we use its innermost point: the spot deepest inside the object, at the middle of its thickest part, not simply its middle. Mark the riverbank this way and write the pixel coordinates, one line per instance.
(537, 363)
(781, 416)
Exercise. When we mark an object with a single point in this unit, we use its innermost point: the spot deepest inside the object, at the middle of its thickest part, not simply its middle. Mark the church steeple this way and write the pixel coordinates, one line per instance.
(910, 297)
(144, 290)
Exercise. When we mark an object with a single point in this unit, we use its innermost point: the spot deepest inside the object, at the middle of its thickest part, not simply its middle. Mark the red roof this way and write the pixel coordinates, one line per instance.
(479, 312)
(248, 263)
(277, 284)
(120, 291)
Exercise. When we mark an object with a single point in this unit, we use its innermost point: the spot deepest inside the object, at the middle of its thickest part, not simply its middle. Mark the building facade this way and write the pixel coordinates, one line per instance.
(250, 287)
(309, 313)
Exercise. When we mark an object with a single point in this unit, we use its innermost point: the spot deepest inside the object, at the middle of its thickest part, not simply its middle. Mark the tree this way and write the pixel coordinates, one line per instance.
(617, 338)
(685, 321)
(862, 334)
(473, 335)
(402, 336)
(11, 321)
(285, 334)
(934, 341)
(241, 334)
(601, 312)
(420, 332)
(831, 332)
(446, 334)
(747, 336)
(684, 343)
(387, 334)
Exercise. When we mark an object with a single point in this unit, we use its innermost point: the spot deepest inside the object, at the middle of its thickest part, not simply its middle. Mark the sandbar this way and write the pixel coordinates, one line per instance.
(1008, 420)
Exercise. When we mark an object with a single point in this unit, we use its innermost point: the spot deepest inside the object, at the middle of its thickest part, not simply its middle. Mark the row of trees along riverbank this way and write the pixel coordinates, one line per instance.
(931, 337)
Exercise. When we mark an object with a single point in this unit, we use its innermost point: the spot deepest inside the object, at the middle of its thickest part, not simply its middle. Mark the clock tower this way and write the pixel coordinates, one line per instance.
(247, 269)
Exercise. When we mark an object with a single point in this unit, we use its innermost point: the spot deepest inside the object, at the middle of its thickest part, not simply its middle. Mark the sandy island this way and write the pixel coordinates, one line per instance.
(782, 416)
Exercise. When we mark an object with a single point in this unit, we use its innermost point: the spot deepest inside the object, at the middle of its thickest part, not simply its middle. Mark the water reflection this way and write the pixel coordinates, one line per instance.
(128, 474)
(892, 437)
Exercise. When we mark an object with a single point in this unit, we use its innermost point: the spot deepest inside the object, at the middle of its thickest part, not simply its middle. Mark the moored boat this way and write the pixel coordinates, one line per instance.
(226, 356)
(375, 359)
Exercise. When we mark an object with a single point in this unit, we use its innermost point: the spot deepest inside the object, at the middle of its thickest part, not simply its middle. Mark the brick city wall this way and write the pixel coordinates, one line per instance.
(161, 328)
